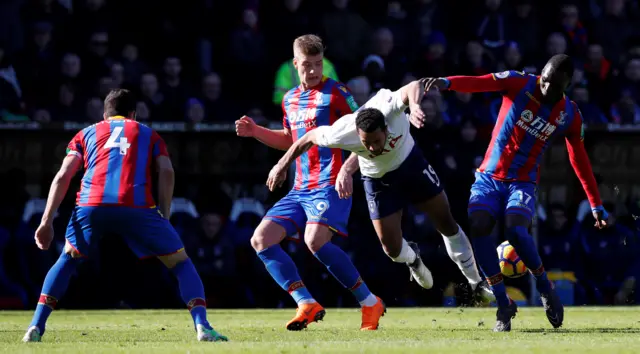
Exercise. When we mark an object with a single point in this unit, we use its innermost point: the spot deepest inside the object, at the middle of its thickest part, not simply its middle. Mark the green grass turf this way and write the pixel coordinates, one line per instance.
(414, 330)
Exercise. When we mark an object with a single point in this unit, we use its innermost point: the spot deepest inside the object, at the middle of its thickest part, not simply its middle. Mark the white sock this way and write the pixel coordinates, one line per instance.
(369, 300)
(406, 254)
(461, 252)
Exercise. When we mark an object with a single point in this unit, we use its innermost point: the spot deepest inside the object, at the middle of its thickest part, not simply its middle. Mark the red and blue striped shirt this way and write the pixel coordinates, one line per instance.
(118, 156)
(525, 128)
(304, 111)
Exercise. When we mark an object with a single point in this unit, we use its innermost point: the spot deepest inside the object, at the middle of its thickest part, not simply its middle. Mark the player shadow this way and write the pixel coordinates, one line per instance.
(581, 330)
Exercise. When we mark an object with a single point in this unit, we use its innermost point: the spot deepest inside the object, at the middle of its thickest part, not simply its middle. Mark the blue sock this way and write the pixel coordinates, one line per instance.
(285, 273)
(340, 266)
(519, 237)
(487, 258)
(55, 285)
(192, 291)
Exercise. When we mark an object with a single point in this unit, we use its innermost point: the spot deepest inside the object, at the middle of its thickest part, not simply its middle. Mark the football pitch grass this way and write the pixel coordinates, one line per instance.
(402, 330)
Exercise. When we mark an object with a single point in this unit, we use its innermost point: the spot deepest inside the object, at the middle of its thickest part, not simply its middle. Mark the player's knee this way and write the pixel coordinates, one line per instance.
(316, 238)
(481, 225)
(171, 260)
(266, 235)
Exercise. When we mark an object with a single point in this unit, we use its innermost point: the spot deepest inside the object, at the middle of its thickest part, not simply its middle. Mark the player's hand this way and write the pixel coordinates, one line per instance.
(601, 216)
(44, 236)
(344, 185)
(245, 127)
(277, 176)
(436, 83)
(417, 115)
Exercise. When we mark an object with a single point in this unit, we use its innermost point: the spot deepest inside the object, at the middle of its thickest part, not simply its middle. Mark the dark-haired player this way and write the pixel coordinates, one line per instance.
(534, 111)
(395, 174)
(118, 155)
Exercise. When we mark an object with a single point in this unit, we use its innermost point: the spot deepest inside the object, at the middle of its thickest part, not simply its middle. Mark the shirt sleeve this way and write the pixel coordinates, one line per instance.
(387, 101)
(343, 100)
(341, 134)
(158, 145)
(285, 121)
(503, 81)
(76, 145)
(580, 160)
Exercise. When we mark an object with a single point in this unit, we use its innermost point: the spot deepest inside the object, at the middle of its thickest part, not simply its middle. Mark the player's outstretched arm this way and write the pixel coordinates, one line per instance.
(166, 182)
(582, 167)
(58, 190)
(484, 83)
(278, 139)
(278, 173)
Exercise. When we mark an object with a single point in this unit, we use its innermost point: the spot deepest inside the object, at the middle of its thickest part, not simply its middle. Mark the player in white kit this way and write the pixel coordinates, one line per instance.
(395, 174)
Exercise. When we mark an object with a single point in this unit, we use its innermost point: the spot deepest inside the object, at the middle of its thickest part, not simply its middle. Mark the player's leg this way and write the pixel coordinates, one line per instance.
(484, 204)
(457, 245)
(79, 234)
(148, 234)
(519, 213)
(386, 202)
(327, 215)
(284, 220)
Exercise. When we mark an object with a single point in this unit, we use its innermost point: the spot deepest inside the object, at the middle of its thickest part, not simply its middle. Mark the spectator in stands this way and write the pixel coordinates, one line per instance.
(626, 110)
(10, 90)
(69, 106)
(613, 28)
(591, 113)
(142, 111)
(347, 34)
(248, 56)
(360, 89)
(610, 260)
(598, 71)
(631, 78)
(132, 65)
(524, 28)
(558, 239)
(151, 95)
(573, 29)
(94, 110)
(174, 90)
(194, 111)
(97, 61)
(431, 60)
(475, 60)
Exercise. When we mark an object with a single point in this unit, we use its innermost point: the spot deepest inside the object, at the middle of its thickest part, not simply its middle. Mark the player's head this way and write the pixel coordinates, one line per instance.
(556, 77)
(308, 53)
(120, 102)
(372, 130)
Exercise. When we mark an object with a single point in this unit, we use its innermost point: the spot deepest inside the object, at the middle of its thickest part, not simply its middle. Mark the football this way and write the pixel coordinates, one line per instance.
(510, 263)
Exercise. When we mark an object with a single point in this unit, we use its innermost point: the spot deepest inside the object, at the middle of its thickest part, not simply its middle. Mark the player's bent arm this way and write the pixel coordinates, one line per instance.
(278, 139)
(60, 185)
(412, 92)
(351, 165)
(299, 147)
(582, 166)
(166, 181)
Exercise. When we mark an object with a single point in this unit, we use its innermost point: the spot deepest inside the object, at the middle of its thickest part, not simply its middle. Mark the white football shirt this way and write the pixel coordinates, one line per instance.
(343, 134)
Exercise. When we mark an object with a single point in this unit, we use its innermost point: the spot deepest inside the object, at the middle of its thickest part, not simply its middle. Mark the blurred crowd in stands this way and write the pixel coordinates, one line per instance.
(215, 60)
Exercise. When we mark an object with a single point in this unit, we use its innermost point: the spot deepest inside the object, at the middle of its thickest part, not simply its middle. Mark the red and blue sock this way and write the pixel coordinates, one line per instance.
(192, 291)
(487, 258)
(341, 267)
(55, 285)
(285, 273)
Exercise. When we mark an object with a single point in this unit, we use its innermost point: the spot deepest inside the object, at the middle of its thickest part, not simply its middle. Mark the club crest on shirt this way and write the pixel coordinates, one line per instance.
(562, 118)
(526, 116)
(318, 100)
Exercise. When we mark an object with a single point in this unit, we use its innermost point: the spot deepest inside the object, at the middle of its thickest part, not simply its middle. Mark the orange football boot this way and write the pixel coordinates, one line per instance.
(371, 315)
(306, 314)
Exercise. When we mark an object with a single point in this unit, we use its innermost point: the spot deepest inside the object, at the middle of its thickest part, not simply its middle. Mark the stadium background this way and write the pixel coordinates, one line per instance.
(199, 65)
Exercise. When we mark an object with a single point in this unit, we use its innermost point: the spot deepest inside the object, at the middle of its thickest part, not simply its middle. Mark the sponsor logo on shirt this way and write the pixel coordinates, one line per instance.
(536, 126)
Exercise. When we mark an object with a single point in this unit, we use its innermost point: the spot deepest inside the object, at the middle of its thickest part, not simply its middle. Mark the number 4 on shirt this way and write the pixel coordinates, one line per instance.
(115, 141)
